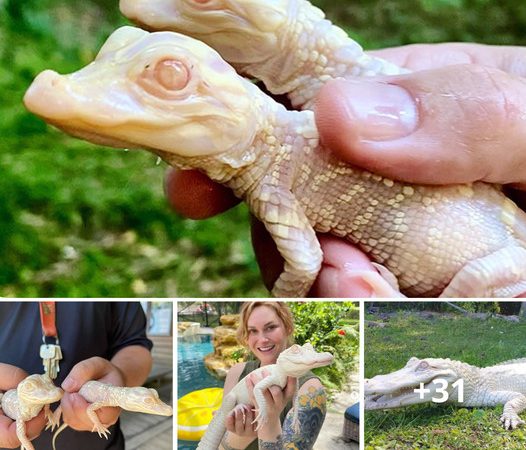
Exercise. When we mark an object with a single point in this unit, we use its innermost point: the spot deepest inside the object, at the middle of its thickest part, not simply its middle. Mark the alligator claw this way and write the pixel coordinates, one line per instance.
(511, 421)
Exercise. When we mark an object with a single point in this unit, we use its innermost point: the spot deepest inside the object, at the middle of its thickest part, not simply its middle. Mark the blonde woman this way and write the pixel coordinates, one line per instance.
(266, 329)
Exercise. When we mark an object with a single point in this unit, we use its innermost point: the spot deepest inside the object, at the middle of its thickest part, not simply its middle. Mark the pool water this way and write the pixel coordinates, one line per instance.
(191, 372)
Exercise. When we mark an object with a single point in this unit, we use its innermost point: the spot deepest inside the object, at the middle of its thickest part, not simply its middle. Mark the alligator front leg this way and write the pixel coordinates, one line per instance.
(295, 239)
(500, 274)
(97, 424)
(53, 418)
(22, 436)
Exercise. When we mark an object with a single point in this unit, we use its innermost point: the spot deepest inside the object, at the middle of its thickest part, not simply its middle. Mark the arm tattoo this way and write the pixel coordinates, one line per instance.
(263, 445)
(311, 414)
(225, 445)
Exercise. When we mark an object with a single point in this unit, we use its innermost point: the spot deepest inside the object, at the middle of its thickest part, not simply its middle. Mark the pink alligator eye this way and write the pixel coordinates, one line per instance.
(166, 78)
(171, 74)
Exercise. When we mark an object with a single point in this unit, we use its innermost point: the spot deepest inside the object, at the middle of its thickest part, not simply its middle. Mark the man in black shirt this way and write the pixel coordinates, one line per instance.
(103, 341)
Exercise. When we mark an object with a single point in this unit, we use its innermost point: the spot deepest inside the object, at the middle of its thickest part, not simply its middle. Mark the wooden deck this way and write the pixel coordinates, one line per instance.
(146, 431)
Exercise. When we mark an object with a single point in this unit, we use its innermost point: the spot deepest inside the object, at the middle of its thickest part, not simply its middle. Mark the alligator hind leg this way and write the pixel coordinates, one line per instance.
(510, 415)
(500, 274)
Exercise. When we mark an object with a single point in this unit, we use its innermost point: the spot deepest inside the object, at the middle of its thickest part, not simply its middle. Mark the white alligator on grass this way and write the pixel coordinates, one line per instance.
(502, 384)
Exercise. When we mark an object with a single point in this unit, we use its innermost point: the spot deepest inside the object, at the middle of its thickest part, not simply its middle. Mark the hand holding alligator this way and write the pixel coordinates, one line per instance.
(74, 406)
(463, 104)
(10, 376)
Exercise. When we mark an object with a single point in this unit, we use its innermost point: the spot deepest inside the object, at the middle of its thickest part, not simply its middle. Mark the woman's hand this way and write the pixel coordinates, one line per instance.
(276, 399)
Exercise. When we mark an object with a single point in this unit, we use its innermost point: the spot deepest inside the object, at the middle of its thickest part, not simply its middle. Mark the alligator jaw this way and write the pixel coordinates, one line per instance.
(403, 397)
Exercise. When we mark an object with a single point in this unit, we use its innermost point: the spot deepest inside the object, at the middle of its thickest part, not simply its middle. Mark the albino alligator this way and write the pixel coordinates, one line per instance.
(27, 400)
(503, 384)
(137, 399)
(287, 44)
(176, 97)
(292, 362)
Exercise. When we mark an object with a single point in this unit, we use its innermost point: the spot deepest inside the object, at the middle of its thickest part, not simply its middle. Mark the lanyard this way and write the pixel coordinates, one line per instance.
(48, 319)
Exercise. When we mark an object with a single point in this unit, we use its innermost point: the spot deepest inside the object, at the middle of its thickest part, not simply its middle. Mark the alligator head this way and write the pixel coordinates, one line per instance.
(397, 389)
(162, 91)
(38, 389)
(299, 359)
(222, 24)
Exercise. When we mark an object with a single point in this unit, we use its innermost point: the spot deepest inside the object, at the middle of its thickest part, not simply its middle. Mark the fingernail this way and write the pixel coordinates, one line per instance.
(378, 111)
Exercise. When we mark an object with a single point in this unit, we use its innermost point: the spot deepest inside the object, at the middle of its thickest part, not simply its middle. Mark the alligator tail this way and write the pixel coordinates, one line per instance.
(216, 429)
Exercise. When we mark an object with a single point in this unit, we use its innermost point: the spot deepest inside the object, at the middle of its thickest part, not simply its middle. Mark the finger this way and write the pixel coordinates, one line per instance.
(10, 376)
(194, 195)
(430, 56)
(340, 263)
(337, 277)
(35, 426)
(230, 422)
(451, 125)
(89, 369)
(268, 257)
(290, 387)
(276, 393)
(238, 423)
(74, 413)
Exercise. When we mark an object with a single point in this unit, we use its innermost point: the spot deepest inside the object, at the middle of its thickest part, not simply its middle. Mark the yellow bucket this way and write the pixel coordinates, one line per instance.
(194, 412)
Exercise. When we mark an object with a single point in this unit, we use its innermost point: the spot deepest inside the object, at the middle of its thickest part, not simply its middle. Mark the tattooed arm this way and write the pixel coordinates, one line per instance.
(311, 408)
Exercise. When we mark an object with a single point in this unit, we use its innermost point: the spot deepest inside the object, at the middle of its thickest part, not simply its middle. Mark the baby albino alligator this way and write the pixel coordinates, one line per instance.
(137, 399)
(176, 97)
(27, 400)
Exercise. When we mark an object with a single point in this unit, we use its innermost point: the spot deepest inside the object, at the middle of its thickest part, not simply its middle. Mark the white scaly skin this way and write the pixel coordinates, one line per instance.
(27, 400)
(287, 44)
(292, 362)
(176, 97)
(100, 395)
(502, 384)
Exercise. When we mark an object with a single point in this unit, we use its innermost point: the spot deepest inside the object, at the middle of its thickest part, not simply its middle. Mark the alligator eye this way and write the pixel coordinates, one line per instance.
(423, 365)
(171, 74)
(167, 76)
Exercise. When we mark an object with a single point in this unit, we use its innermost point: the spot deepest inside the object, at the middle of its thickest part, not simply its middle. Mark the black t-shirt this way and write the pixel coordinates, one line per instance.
(85, 329)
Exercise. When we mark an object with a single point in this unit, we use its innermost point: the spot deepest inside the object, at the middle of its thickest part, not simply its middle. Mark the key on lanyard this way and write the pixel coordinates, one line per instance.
(51, 354)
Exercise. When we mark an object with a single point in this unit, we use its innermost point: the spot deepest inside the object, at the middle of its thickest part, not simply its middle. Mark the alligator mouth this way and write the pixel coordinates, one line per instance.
(91, 136)
(395, 399)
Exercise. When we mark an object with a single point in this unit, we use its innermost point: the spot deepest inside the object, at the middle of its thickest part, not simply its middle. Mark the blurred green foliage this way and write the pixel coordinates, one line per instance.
(76, 220)
(330, 327)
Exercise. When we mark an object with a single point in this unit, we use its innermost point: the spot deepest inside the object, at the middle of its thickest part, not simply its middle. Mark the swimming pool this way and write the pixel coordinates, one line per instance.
(191, 372)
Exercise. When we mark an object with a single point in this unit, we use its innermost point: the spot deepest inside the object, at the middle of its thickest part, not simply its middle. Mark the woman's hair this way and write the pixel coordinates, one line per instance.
(281, 310)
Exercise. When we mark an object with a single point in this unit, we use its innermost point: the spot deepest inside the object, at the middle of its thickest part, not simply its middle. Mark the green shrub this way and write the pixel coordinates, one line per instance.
(331, 327)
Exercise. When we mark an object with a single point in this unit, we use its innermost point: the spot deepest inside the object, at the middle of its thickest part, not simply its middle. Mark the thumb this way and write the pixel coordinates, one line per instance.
(455, 124)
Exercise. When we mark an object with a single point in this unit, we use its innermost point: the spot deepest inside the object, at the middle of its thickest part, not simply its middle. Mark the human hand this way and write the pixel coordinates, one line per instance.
(461, 117)
(73, 404)
(10, 376)
(240, 421)
(276, 398)
(469, 132)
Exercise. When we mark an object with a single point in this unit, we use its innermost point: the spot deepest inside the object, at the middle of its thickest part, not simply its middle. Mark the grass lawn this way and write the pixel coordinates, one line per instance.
(430, 426)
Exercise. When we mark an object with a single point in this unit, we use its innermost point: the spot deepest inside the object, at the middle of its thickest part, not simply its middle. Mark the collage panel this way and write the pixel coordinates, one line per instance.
(442, 375)
(105, 368)
(222, 342)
